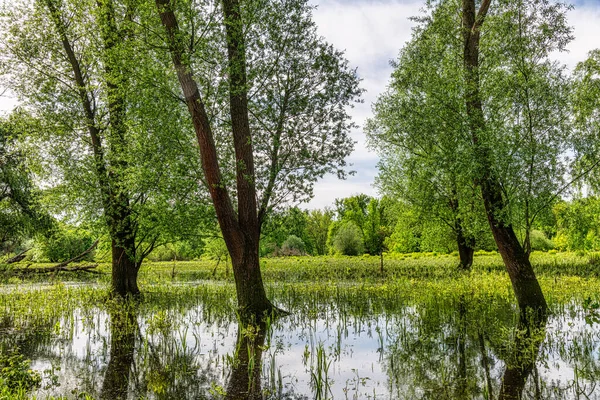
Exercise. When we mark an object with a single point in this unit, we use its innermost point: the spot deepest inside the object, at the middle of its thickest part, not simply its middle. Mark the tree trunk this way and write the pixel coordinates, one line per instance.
(241, 230)
(466, 248)
(525, 285)
(251, 295)
(124, 268)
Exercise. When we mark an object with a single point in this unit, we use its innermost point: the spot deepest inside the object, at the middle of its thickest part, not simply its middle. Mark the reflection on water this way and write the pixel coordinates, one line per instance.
(449, 350)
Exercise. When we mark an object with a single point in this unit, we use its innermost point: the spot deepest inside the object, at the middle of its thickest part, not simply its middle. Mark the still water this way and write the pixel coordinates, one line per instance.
(437, 350)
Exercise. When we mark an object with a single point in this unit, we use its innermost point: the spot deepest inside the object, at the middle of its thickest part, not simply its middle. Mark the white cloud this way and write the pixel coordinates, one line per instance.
(372, 34)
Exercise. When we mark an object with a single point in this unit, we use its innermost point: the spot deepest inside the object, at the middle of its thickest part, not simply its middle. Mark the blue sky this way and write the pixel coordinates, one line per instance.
(372, 33)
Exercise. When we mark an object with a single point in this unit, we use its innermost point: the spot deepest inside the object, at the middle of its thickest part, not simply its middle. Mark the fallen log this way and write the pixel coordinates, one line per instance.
(63, 266)
(19, 257)
(56, 268)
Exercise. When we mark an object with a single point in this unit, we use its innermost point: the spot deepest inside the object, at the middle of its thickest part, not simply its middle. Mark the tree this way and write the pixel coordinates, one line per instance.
(287, 93)
(348, 239)
(525, 285)
(420, 134)
(317, 228)
(499, 123)
(82, 72)
(281, 224)
(20, 211)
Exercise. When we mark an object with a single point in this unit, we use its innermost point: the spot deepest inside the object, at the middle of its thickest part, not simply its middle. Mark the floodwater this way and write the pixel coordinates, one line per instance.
(441, 350)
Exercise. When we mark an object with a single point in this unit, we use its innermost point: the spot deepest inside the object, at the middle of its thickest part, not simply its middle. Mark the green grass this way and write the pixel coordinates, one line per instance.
(308, 287)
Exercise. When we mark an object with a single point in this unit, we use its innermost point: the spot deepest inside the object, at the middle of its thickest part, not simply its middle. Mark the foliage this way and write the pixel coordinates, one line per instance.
(63, 244)
(216, 249)
(370, 215)
(586, 106)
(317, 229)
(539, 241)
(15, 374)
(578, 227)
(280, 225)
(21, 213)
(293, 246)
(182, 250)
(348, 239)
(112, 150)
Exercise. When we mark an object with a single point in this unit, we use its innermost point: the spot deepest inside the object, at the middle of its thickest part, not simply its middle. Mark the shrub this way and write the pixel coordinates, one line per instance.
(15, 373)
(64, 244)
(293, 246)
(539, 241)
(348, 240)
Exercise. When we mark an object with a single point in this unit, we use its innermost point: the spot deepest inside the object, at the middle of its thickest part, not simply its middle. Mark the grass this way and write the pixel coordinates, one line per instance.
(343, 289)
(336, 268)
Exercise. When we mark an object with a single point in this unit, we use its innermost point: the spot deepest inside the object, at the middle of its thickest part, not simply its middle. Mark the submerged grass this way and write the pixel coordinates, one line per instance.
(349, 290)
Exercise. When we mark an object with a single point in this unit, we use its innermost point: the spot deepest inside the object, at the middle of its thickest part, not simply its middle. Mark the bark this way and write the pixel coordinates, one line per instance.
(525, 285)
(241, 230)
(124, 268)
(18, 258)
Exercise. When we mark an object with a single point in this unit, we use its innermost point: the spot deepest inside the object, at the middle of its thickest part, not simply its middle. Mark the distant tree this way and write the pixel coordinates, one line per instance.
(280, 224)
(348, 239)
(317, 229)
(293, 246)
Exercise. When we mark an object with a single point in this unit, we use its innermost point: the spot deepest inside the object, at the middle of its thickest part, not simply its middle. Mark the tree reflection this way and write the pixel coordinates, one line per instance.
(124, 330)
(528, 338)
(245, 379)
(452, 350)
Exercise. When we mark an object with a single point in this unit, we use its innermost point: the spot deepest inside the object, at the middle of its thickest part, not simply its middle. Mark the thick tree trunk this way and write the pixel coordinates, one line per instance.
(524, 282)
(251, 295)
(241, 230)
(124, 268)
(466, 248)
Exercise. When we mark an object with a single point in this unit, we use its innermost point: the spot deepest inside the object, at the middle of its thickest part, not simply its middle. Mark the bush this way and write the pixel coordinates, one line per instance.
(293, 246)
(539, 241)
(64, 244)
(348, 240)
(15, 373)
(180, 251)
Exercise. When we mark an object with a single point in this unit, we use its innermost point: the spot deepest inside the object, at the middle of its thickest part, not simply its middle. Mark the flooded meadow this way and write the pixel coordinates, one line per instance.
(459, 338)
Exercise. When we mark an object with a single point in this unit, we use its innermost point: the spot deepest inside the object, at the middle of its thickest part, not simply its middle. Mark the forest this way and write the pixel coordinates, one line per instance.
(155, 172)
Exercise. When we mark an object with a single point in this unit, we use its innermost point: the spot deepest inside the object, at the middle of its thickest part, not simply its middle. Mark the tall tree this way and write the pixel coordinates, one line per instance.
(525, 284)
(79, 68)
(420, 132)
(287, 96)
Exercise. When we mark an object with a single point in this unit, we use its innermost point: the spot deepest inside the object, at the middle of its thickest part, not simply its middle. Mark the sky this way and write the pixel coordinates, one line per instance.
(372, 34)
